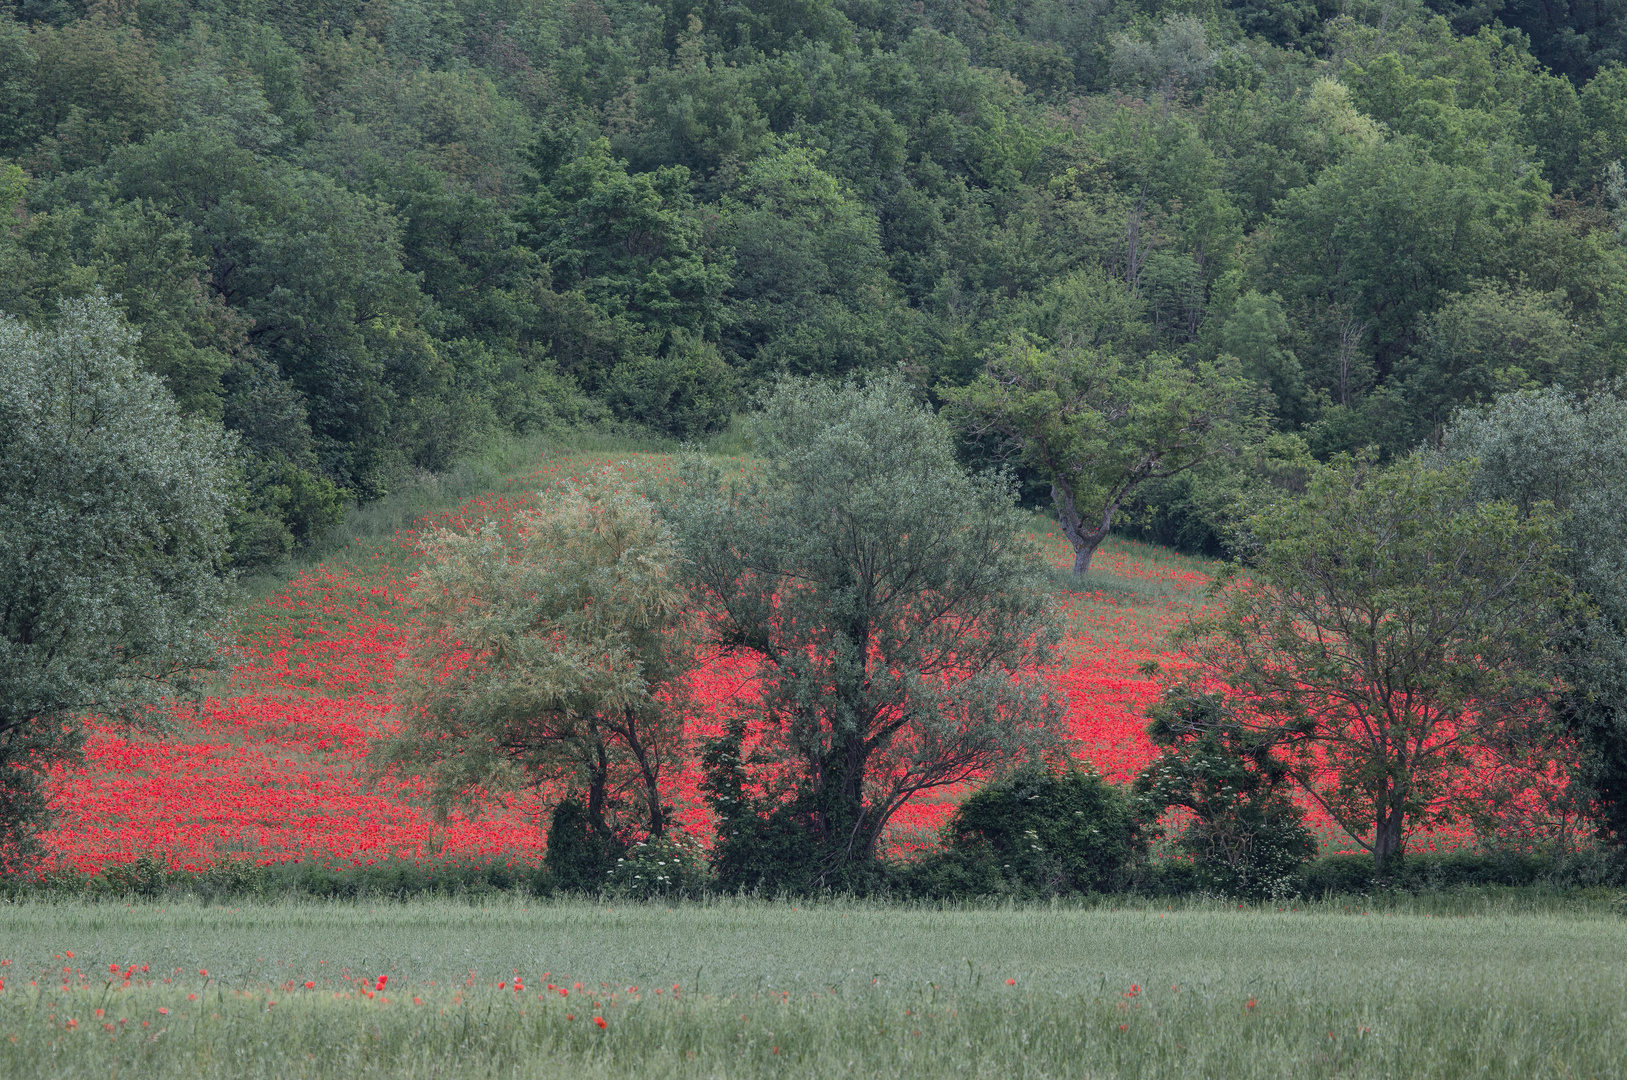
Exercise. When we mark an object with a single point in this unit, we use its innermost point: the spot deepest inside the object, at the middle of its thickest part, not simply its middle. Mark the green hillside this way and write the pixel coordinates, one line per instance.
(371, 237)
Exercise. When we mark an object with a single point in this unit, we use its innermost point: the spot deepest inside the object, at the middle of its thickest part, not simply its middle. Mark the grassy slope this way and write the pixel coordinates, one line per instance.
(828, 990)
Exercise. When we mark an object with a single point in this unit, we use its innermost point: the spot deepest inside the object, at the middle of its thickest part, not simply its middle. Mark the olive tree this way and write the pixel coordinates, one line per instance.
(552, 651)
(1390, 639)
(894, 607)
(113, 511)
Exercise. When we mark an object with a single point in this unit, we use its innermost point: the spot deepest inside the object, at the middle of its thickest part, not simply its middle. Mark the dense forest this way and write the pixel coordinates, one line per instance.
(369, 237)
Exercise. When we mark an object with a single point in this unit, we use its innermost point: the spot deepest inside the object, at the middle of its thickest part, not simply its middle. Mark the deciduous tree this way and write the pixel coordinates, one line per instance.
(1550, 446)
(551, 651)
(893, 604)
(1390, 639)
(1099, 425)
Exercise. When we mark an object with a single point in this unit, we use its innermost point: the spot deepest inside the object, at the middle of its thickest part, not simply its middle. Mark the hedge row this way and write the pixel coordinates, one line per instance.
(1331, 875)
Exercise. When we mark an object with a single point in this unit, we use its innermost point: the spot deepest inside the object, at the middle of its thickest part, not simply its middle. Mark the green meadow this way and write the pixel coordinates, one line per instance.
(1469, 984)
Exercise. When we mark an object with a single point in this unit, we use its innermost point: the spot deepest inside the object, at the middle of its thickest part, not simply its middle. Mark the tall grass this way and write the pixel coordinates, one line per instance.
(831, 989)
(505, 466)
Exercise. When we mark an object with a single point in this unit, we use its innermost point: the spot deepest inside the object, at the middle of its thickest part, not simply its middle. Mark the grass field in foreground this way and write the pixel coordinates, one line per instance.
(759, 990)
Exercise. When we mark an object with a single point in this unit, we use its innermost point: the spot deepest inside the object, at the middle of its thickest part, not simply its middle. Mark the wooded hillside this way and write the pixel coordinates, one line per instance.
(371, 236)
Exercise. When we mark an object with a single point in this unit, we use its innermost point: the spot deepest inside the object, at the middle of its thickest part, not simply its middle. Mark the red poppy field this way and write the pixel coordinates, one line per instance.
(270, 768)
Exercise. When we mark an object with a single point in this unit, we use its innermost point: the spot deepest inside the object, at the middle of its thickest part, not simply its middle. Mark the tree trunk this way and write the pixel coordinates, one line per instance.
(1350, 333)
(1387, 838)
(839, 810)
(598, 786)
(1135, 252)
(1085, 541)
(647, 772)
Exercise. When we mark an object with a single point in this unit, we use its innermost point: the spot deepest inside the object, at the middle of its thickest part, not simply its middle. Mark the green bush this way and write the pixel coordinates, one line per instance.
(1244, 834)
(1172, 877)
(671, 864)
(765, 846)
(687, 392)
(1045, 834)
(951, 874)
(1429, 872)
(579, 857)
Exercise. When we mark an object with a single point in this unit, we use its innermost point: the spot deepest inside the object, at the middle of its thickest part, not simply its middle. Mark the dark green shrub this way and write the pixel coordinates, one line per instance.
(768, 846)
(1430, 872)
(1048, 833)
(1173, 877)
(687, 392)
(1460, 868)
(580, 858)
(951, 874)
(1337, 874)
(773, 852)
(1243, 833)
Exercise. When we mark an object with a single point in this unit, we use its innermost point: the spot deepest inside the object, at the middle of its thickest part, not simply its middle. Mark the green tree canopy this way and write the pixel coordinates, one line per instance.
(1097, 426)
(893, 605)
(388, 232)
(1376, 242)
(551, 652)
(1540, 447)
(113, 514)
(1256, 333)
(633, 243)
(1487, 342)
(810, 286)
(1390, 636)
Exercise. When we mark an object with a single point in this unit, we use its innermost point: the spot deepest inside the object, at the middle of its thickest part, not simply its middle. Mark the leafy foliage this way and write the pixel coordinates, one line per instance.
(1098, 426)
(1537, 448)
(892, 607)
(112, 546)
(1391, 631)
(1245, 834)
(671, 865)
(1050, 833)
(552, 654)
(370, 238)
(581, 853)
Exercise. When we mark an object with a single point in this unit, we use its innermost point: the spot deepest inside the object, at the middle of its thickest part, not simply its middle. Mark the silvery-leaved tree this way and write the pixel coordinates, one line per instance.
(551, 651)
(896, 611)
(113, 512)
(1547, 446)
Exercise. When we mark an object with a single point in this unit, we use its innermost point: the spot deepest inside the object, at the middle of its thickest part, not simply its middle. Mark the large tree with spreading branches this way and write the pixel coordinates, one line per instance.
(1098, 425)
(551, 652)
(113, 579)
(895, 609)
(1391, 639)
